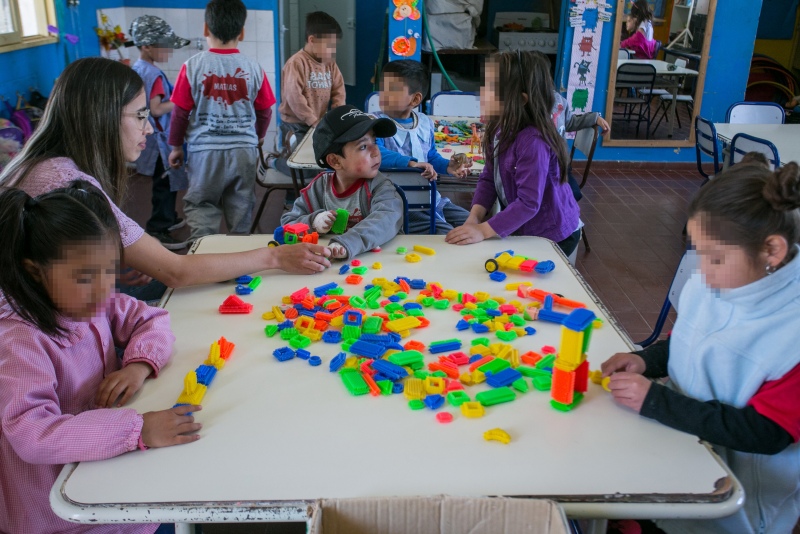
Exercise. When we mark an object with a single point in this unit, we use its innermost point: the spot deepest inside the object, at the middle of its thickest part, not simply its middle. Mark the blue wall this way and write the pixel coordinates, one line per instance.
(732, 42)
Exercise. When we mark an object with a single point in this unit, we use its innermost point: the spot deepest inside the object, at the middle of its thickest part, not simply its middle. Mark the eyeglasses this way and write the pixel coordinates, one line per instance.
(142, 115)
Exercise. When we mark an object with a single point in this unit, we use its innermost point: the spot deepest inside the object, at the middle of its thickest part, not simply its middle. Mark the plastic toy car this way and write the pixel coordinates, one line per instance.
(289, 234)
(508, 261)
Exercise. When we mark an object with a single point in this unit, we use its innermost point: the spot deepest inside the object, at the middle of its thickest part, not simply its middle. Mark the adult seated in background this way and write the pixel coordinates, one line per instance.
(640, 26)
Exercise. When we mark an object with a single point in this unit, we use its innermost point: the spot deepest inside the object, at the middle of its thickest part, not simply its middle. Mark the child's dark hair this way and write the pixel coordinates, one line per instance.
(755, 158)
(413, 73)
(319, 24)
(745, 204)
(225, 19)
(640, 10)
(38, 229)
(529, 73)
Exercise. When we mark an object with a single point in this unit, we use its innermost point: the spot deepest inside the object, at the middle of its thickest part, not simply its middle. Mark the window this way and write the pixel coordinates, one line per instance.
(23, 23)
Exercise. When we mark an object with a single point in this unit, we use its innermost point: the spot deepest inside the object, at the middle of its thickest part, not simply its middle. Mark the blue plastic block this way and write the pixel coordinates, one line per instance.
(444, 347)
(243, 290)
(398, 278)
(368, 287)
(394, 298)
(511, 252)
(395, 346)
(398, 387)
(285, 324)
(503, 378)
(205, 374)
(277, 235)
(479, 328)
(307, 313)
(366, 349)
(332, 336)
(344, 268)
(551, 316)
(337, 362)
(579, 319)
(377, 377)
(391, 370)
(548, 303)
(493, 313)
(283, 354)
(498, 276)
(394, 336)
(462, 325)
(530, 330)
(412, 306)
(314, 361)
(352, 318)
(434, 402)
(303, 354)
(323, 289)
(475, 358)
(182, 404)
(244, 279)
(417, 283)
(544, 267)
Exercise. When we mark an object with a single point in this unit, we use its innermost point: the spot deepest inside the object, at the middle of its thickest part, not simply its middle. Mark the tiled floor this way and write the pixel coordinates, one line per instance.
(627, 130)
(634, 220)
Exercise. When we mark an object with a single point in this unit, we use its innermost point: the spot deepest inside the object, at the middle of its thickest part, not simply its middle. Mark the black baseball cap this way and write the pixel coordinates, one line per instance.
(344, 124)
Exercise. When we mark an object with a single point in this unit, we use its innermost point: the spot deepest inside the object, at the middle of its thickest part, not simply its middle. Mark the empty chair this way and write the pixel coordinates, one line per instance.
(665, 99)
(743, 143)
(585, 142)
(706, 142)
(372, 103)
(455, 104)
(635, 107)
(755, 113)
(623, 53)
(684, 271)
(417, 194)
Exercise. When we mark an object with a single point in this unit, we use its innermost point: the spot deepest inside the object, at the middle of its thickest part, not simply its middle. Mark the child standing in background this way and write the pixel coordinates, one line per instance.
(155, 40)
(732, 358)
(59, 371)
(404, 84)
(310, 82)
(230, 102)
(526, 158)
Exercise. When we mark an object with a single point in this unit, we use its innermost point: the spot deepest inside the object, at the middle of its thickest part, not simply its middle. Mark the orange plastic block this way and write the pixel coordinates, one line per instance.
(414, 345)
(322, 316)
(474, 365)
(291, 313)
(321, 325)
(354, 279)
(563, 386)
(225, 348)
(366, 367)
(374, 390)
(448, 368)
(340, 311)
(308, 302)
(404, 286)
(234, 304)
(423, 321)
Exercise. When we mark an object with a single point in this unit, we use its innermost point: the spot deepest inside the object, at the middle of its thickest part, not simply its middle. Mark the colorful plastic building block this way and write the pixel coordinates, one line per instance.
(458, 397)
(234, 304)
(354, 382)
(337, 362)
(414, 389)
(444, 417)
(497, 434)
(434, 402)
(244, 279)
(495, 396)
(413, 258)
(472, 409)
(344, 268)
(446, 345)
(424, 250)
(340, 224)
(193, 391)
(498, 276)
(314, 361)
(507, 260)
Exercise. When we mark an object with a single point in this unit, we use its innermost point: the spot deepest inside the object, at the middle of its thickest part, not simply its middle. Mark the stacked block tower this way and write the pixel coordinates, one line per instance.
(571, 368)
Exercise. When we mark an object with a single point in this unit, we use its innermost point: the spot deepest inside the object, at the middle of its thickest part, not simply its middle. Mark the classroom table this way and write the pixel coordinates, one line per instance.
(785, 137)
(664, 80)
(277, 436)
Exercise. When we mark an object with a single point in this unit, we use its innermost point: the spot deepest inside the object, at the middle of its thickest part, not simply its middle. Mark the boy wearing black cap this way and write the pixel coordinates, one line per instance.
(344, 142)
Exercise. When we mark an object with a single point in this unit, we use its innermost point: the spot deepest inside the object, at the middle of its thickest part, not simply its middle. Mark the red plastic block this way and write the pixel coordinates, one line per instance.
(321, 325)
(355, 263)
(449, 368)
(436, 290)
(444, 417)
(423, 322)
(474, 365)
(299, 295)
(457, 307)
(291, 313)
(563, 386)
(366, 367)
(452, 385)
(385, 302)
(234, 304)
(582, 377)
(354, 279)
(374, 390)
(414, 345)
(521, 292)
(225, 348)
(509, 309)
(404, 286)
(466, 298)
(527, 265)
(530, 358)
(458, 358)
(549, 349)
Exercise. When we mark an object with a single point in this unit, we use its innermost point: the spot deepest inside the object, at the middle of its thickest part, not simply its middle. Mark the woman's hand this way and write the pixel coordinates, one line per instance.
(118, 387)
(301, 258)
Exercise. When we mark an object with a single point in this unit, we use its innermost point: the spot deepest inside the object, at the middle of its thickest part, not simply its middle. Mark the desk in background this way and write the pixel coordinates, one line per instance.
(785, 137)
(277, 436)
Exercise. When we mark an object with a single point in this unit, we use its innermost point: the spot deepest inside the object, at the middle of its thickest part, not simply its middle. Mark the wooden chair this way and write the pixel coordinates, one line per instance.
(585, 142)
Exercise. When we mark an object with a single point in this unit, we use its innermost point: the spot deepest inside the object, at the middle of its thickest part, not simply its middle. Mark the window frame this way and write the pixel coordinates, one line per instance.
(15, 40)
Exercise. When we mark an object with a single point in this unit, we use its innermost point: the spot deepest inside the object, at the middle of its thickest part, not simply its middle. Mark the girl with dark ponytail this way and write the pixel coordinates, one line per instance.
(732, 358)
(60, 321)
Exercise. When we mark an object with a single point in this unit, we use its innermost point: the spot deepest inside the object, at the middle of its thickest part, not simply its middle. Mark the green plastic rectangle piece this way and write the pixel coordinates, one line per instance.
(495, 396)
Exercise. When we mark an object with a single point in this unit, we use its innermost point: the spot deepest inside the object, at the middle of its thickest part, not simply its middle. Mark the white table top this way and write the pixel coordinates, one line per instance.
(785, 137)
(662, 67)
(276, 435)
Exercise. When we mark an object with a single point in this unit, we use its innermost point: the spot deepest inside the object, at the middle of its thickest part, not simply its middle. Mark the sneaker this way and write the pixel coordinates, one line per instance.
(179, 223)
(169, 242)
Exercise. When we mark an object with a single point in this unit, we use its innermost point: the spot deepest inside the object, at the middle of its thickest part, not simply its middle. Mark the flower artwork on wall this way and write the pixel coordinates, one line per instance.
(112, 38)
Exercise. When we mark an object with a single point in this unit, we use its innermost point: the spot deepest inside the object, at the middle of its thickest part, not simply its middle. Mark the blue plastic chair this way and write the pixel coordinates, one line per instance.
(416, 192)
(743, 143)
(372, 103)
(706, 142)
(684, 271)
(755, 113)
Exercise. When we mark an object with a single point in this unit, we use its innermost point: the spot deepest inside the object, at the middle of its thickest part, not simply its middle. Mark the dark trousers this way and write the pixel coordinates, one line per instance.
(569, 244)
(163, 201)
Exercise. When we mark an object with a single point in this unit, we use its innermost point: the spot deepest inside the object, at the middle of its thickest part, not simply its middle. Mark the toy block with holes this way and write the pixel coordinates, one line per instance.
(571, 368)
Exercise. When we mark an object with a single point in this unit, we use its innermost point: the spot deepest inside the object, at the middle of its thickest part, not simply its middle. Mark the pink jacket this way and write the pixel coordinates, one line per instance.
(641, 46)
(47, 415)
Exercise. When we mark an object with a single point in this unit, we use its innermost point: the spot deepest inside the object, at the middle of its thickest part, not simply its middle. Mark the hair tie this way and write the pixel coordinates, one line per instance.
(30, 203)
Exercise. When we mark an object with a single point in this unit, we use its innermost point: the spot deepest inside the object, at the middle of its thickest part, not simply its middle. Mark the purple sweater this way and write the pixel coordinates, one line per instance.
(538, 205)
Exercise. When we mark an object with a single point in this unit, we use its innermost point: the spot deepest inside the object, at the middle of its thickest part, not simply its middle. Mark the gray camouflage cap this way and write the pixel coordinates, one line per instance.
(149, 30)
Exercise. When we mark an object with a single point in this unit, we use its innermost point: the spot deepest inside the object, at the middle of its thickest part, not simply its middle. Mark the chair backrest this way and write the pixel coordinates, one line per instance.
(636, 75)
(687, 266)
(372, 103)
(755, 113)
(743, 143)
(585, 142)
(623, 53)
(455, 104)
(706, 142)
(417, 194)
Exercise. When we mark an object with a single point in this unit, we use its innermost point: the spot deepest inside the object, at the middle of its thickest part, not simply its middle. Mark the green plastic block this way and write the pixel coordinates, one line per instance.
(441, 304)
(329, 301)
(532, 372)
(359, 270)
(393, 316)
(428, 301)
(416, 404)
(354, 382)
(254, 283)
(300, 341)
(465, 311)
(491, 304)
(526, 315)
(415, 312)
(372, 325)
(372, 293)
(506, 335)
(401, 250)
(346, 344)
(288, 333)
(357, 302)
(567, 407)
(402, 295)
(547, 361)
(520, 385)
(271, 330)
(335, 291)
(494, 366)
(440, 374)
(517, 320)
(416, 366)
(485, 341)
(422, 375)
(444, 342)
(373, 304)
(290, 239)
(385, 386)
(495, 396)
(393, 307)
(340, 224)
(406, 357)
(457, 397)
(543, 383)
(351, 332)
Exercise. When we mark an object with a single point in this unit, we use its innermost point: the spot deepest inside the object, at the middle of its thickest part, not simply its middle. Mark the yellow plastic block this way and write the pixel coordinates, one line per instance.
(499, 300)
(406, 323)
(304, 322)
(505, 352)
(478, 377)
(414, 389)
(520, 331)
(515, 285)
(472, 409)
(503, 259)
(565, 366)
(480, 349)
(193, 392)
(313, 334)
(412, 258)
(466, 379)
(351, 362)
(596, 376)
(404, 333)
(434, 385)
(514, 359)
(517, 304)
(470, 305)
(394, 286)
(267, 316)
(337, 321)
(514, 262)
(279, 316)
(571, 347)
(380, 282)
(424, 250)
(388, 291)
(496, 347)
(214, 357)
(604, 382)
(481, 296)
(450, 294)
(497, 434)
(377, 265)
(286, 299)
(597, 323)
(502, 319)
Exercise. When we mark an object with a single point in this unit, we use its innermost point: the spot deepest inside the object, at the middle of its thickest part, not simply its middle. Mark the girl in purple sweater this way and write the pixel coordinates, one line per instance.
(526, 158)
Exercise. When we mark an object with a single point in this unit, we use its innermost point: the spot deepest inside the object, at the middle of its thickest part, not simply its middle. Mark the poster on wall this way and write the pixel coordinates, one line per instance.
(405, 28)
(586, 17)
